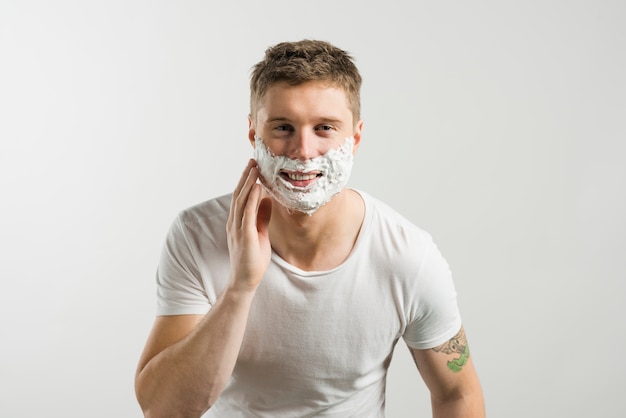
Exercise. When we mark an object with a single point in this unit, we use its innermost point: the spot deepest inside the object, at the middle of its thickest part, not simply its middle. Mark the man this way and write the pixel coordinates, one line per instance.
(286, 298)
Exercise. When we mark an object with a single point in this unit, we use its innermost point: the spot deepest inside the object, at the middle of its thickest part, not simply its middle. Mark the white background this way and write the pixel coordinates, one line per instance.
(498, 126)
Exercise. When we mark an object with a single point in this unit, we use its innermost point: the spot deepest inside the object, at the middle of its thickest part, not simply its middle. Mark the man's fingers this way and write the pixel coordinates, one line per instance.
(244, 176)
(251, 206)
(241, 192)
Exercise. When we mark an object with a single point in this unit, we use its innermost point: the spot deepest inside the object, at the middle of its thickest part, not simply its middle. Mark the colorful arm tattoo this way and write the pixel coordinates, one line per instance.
(456, 345)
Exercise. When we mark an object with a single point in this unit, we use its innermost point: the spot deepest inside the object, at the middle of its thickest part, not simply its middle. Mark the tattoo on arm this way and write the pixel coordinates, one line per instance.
(456, 345)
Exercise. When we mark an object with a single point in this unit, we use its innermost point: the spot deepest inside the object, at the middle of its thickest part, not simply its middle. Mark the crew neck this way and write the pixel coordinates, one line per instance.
(363, 232)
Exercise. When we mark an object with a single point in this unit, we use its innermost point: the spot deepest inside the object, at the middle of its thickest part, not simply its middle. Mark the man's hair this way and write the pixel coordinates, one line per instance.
(303, 61)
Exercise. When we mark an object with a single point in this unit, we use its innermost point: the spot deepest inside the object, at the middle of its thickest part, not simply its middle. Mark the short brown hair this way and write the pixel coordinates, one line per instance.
(302, 61)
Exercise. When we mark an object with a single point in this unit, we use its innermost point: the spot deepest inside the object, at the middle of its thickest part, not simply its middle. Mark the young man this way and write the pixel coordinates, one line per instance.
(287, 297)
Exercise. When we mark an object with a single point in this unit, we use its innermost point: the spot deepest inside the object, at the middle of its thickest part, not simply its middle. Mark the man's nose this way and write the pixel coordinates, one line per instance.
(302, 146)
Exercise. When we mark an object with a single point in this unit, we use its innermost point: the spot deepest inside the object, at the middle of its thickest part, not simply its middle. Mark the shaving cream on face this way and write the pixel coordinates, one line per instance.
(334, 168)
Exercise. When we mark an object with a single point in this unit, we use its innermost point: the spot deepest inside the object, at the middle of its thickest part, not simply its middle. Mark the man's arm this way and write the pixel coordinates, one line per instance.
(449, 374)
(189, 359)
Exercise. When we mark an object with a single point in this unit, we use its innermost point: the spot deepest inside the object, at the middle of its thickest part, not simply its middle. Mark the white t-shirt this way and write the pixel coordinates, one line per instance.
(317, 343)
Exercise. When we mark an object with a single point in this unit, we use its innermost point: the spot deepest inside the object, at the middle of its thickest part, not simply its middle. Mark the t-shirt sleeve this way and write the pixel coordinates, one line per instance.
(436, 317)
(180, 290)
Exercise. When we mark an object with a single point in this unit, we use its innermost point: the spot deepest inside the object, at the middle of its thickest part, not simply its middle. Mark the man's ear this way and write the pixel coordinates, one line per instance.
(251, 131)
(358, 129)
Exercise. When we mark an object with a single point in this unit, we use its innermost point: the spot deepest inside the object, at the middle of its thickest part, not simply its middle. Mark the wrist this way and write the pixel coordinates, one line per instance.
(240, 291)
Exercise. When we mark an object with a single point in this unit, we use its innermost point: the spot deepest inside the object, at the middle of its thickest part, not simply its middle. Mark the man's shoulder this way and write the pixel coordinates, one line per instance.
(388, 215)
(398, 235)
(212, 210)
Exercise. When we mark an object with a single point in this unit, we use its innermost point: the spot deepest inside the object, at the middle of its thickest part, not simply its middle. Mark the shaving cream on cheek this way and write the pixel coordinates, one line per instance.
(334, 168)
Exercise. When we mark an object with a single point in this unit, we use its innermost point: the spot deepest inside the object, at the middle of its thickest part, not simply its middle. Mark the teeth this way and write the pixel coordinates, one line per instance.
(301, 177)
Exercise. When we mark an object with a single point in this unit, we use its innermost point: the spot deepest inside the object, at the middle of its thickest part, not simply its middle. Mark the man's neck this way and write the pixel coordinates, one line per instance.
(321, 241)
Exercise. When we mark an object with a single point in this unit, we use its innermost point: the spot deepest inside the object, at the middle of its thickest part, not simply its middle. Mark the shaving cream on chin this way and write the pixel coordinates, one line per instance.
(335, 167)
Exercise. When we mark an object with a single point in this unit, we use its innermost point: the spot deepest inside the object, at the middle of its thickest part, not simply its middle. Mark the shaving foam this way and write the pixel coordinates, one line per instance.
(335, 167)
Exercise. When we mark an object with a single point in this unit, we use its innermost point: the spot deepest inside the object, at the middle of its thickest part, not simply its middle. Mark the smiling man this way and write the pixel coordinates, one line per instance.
(286, 298)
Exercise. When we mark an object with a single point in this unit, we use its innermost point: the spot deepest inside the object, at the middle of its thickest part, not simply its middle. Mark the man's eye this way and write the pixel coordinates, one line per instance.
(283, 128)
(325, 127)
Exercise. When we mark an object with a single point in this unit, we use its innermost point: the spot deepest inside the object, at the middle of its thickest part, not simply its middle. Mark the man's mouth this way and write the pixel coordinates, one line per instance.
(299, 179)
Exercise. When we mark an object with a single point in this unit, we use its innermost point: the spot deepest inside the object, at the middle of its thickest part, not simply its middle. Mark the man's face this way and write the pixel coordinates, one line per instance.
(305, 138)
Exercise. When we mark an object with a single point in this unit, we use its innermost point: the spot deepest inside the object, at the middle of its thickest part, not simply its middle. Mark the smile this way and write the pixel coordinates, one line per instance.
(300, 176)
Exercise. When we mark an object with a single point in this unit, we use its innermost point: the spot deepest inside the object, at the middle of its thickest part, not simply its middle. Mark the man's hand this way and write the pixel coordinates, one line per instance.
(247, 230)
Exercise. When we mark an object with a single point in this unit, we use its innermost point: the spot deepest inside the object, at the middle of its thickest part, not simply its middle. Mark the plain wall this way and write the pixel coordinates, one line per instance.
(497, 126)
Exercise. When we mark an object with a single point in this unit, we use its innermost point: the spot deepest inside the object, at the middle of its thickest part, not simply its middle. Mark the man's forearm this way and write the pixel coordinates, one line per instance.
(186, 378)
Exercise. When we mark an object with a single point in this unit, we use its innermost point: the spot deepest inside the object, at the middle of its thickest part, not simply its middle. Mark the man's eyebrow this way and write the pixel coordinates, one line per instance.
(322, 119)
(277, 119)
(331, 120)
